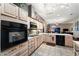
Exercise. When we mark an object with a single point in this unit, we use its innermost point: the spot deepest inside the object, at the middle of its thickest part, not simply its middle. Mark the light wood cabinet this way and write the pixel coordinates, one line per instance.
(9, 9)
(68, 41)
(17, 50)
(22, 14)
(0, 8)
(46, 38)
(49, 39)
(36, 43)
(22, 49)
(31, 45)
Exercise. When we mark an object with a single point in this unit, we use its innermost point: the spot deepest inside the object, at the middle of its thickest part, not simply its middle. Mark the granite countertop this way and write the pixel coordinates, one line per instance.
(59, 34)
(30, 38)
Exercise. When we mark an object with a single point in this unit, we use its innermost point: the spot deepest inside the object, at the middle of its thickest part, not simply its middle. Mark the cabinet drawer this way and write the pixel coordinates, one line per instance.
(31, 43)
(31, 49)
(20, 51)
(36, 44)
(30, 46)
(25, 53)
(10, 10)
(31, 40)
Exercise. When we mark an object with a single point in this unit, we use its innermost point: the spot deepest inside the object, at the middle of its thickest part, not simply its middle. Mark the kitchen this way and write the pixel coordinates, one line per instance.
(24, 28)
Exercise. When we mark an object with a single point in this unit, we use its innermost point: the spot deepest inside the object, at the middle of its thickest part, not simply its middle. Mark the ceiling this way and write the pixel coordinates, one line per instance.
(57, 12)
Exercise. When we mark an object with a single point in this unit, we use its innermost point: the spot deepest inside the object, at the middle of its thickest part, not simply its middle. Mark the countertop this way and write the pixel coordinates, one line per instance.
(49, 34)
(61, 34)
(30, 38)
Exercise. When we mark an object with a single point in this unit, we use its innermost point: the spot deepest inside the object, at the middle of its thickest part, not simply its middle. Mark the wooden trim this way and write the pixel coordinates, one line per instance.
(8, 15)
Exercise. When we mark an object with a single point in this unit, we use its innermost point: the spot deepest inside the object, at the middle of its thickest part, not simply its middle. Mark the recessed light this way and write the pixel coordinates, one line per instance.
(62, 6)
(54, 9)
(58, 15)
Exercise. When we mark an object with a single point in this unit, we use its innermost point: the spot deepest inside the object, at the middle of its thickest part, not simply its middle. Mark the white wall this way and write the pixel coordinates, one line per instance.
(62, 26)
(76, 33)
(65, 26)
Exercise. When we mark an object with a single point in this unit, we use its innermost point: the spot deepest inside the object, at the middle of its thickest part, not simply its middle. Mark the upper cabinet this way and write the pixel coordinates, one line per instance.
(0, 8)
(39, 25)
(23, 14)
(10, 10)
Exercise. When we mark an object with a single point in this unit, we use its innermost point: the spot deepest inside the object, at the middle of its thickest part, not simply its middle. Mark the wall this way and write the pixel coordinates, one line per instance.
(76, 33)
(62, 26)
(65, 26)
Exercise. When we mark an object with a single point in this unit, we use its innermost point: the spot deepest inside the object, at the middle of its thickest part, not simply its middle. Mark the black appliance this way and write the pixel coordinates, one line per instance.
(60, 40)
(65, 30)
(12, 34)
(33, 25)
(57, 30)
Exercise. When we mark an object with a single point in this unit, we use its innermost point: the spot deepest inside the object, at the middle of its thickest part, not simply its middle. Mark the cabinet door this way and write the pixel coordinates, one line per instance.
(45, 38)
(31, 48)
(10, 10)
(53, 40)
(0, 10)
(31, 45)
(36, 43)
(69, 41)
(23, 14)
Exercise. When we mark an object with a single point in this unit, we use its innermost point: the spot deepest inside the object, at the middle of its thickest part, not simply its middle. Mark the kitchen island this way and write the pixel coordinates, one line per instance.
(67, 39)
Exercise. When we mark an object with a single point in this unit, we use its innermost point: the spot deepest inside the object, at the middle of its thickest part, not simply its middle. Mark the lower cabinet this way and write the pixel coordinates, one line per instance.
(25, 53)
(39, 41)
(31, 46)
(36, 43)
(22, 50)
(45, 38)
(69, 41)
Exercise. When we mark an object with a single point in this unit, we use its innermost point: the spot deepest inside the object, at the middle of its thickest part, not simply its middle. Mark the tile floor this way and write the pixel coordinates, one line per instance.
(46, 50)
